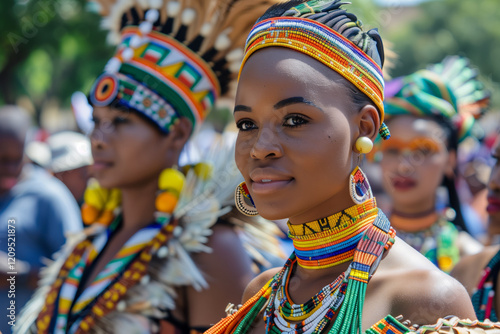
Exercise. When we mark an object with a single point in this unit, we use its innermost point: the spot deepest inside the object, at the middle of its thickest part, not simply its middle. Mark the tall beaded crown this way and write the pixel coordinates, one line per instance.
(174, 58)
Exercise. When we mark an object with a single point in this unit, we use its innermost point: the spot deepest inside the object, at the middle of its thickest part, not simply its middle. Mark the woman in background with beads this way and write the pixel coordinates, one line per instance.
(480, 273)
(429, 112)
(309, 104)
(152, 260)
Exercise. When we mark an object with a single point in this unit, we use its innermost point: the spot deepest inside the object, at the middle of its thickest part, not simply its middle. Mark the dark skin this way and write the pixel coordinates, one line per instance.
(122, 143)
(11, 166)
(296, 149)
(468, 271)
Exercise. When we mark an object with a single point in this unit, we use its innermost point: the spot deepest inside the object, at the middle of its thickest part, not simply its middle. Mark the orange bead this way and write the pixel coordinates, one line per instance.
(89, 214)
(166, 202)
(106, 217)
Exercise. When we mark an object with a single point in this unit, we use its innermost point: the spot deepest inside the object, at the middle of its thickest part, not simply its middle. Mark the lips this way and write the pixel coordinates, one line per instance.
(493, 205)
(404, 183)
(268, 180)
(101, 164)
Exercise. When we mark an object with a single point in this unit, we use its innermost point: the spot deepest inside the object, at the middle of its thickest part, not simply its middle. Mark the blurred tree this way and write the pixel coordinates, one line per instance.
(48, 50)
(445, 27)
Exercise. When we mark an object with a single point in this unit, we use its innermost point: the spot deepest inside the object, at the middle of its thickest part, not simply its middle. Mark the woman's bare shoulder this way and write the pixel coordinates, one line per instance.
(469, 269)
(418, 289)
(258, 282)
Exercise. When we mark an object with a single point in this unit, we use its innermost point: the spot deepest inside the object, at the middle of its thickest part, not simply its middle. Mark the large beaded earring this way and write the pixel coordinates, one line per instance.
(359, 187)
(99, 204)
(170, 184)
(243, 200)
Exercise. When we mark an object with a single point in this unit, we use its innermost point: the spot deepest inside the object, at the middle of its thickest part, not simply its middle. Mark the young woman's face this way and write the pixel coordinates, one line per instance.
(414, 161)
(494, 192)
(297, 127)
(128, 151)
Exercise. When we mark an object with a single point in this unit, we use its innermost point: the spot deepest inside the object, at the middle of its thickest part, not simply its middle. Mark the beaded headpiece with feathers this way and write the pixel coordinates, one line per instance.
(174, 58)
(450, 90)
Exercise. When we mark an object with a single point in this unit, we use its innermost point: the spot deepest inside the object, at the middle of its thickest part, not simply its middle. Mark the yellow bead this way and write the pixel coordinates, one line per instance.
(171, 179)
(203, 170)
(114, 199)
(364, 145)
(95, 195)
(166, 202)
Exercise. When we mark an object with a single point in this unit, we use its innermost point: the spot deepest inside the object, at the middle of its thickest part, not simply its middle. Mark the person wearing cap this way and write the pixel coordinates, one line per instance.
(36, 212)
(70, 158)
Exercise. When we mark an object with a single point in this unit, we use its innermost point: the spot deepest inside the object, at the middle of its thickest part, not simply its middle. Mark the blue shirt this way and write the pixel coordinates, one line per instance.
(44, 211)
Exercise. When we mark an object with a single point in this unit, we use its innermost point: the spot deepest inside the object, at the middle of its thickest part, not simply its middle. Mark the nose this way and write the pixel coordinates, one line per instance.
(98, 138)
(405, 167)
(266, 145)
(494, 182)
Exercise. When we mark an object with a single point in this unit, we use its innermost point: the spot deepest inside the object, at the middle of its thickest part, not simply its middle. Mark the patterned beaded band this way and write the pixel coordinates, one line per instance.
(158, 76)
(325, 45)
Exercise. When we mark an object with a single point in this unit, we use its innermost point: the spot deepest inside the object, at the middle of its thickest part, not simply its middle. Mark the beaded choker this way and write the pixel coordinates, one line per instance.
(330, 241)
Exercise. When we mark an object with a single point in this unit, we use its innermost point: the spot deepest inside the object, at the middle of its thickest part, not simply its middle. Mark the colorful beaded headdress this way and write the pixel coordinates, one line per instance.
(174, 58)
(356, 55)
(449, 89)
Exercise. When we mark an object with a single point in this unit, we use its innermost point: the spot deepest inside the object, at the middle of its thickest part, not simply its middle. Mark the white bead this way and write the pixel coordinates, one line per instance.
(113, 65)
(235, 55)
(127, 54)
(173, 8)
(162, 252)
(145, 27)
(156, 4)
(222, 42)
(135, 41)
(145, 279)
(121, 306)
(177, 231)
(206, 28)
(152, 15)
(188, 16)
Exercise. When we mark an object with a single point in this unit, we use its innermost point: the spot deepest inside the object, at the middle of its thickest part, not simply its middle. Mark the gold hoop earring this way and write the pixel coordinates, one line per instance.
(243, 200)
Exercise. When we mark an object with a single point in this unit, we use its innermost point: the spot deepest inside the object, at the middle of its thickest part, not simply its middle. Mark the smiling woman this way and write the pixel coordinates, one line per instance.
(161, 253)
(308, 106)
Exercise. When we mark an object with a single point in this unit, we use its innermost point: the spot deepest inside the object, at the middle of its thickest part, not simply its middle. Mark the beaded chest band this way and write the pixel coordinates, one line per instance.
(325, 45)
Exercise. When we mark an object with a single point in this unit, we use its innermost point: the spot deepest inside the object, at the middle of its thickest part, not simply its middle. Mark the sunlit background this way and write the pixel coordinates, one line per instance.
(52, 48)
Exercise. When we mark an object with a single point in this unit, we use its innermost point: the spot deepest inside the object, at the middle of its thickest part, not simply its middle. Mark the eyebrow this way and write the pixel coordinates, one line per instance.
(280, 104)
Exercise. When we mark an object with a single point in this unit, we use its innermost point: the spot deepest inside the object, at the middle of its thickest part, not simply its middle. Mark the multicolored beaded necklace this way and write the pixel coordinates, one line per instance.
(343, 298)
(115, 282)
(437, 240)
(484, 296)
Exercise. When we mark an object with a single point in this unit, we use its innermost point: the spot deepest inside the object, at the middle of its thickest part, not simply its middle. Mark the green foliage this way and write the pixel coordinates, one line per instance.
(447, 27)
(48, 50)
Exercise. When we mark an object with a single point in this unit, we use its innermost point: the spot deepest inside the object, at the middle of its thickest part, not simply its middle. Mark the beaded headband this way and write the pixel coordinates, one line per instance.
(325, 45)
(157, 76)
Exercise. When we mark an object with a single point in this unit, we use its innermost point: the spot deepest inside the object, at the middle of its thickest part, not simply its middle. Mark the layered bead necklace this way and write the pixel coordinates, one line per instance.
(342, 299)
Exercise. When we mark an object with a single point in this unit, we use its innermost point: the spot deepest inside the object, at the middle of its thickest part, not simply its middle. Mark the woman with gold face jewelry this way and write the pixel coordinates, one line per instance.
(308, 106)
(429, 112)
(153, 259)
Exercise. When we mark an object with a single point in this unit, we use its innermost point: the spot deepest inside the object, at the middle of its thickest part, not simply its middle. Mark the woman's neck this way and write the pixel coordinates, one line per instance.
(138, 205)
